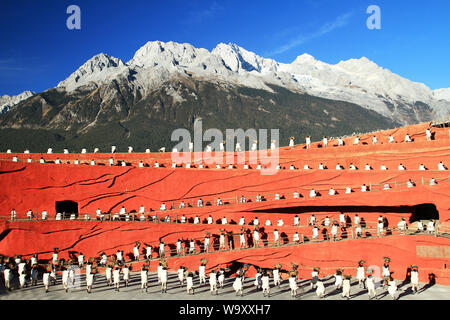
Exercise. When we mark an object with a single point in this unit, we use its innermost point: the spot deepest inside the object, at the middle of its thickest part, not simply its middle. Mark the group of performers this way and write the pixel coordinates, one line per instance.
(30, 271)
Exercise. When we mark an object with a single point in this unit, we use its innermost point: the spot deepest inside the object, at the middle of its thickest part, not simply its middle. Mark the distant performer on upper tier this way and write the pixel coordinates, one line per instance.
(308, 142)
(291, 142)
(441, 166)
(391, 139)
(408, 138)
(428, 134)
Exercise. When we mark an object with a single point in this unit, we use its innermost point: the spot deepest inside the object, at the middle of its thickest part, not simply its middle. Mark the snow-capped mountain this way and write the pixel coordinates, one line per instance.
(98, 69)
(6, 102)
(359, 81)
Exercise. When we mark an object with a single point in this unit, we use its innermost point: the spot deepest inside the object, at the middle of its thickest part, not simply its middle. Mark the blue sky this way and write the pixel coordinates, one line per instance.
(37, 50)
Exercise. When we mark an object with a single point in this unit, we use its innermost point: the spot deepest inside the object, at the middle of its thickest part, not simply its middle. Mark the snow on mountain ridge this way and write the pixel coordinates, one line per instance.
(360, 81)
(98, 69)
(6, 101)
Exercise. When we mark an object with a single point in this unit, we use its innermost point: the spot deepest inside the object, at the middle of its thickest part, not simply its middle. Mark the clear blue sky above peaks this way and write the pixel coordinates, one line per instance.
(37, 50)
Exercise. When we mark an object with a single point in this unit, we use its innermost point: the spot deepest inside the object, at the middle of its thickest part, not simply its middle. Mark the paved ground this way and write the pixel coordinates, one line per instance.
(133, 292)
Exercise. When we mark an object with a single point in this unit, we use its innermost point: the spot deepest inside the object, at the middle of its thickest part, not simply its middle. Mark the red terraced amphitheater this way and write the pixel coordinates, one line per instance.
(83, 188)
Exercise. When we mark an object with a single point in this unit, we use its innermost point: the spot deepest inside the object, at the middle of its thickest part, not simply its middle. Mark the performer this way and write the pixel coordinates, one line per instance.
(257, 281)
(308, 142)
(222, 239)
(90, 278)
(136, 251)
(360, 274)
(119, 256)
(291, 143)
(53, 274)
(144, 277)
(296, 220)
(164, 279)
(276, 275)
(202, 271)
(325, 142)
(126, 274)
(265, 284)
(338, 278)
(191, 246)
(392, 287)
(179, 241)
(180, 273)
(65, 278)
(116, 276)
(276, 236)
(391, 139)
(272, 145)
(46, 276)
(314, 277)
(256, 237)
(213, 282)
(386, 273)
(313, 220)
(326, 222)
(320, 291)
(342, 220)
(206, 244)
(408, 138)
(55, 256)
(81, 260)
(159, 271)
(34, 274)
(7, 274)
(13, 215)
(161, 249)
(358, 231)
(237, 285)
(441, 166)
(190, 283)
(108, 274)
(148, 252)
(293, 283)
(296, 238)
(414, 279)
(221, 277)
(346, 287)
(334, 230)
(315, 233)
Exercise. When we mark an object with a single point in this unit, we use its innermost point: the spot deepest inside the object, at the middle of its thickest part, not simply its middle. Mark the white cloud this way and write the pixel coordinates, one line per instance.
(339, 22)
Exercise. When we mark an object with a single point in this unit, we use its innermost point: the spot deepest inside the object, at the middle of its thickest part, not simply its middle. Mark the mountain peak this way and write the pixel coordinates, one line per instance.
(305, 58)
(6, 101)
(97, 69)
